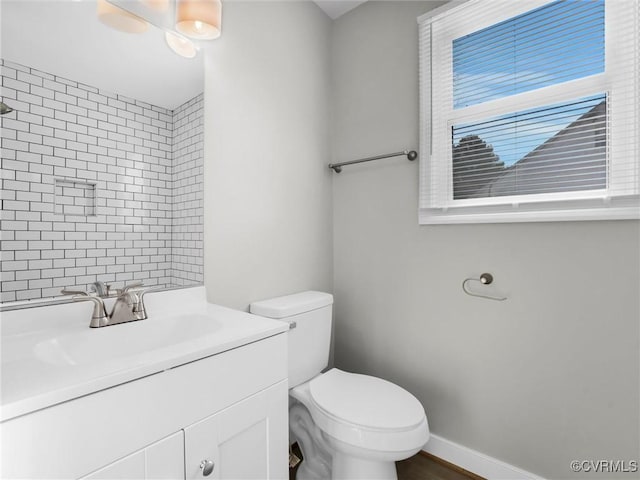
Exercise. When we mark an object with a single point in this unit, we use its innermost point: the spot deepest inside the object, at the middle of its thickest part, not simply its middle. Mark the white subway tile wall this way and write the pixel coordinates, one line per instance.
(75, 197)
(187, 228)
(96, 186)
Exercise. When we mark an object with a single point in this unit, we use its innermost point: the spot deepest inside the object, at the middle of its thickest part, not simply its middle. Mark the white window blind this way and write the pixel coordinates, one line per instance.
(529, 111)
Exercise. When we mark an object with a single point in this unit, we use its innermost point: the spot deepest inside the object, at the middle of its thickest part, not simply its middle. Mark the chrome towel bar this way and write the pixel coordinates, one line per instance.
(411, 156)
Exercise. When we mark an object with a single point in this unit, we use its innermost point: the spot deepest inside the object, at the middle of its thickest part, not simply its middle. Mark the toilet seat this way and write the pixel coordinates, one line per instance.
(364, 412)
(365, 401)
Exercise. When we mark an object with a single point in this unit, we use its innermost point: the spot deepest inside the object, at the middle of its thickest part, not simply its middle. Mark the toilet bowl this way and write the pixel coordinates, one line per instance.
(348, 425)
(367, 423)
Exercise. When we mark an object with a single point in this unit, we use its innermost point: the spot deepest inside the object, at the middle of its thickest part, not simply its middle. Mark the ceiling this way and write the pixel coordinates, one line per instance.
(336, 8)
(65, 38)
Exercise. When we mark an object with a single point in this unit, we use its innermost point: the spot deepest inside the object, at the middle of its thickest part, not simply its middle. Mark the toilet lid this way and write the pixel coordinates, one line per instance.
(366, 401)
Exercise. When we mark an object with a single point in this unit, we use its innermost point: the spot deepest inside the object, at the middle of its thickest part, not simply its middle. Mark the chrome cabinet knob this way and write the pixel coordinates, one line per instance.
(207, 467)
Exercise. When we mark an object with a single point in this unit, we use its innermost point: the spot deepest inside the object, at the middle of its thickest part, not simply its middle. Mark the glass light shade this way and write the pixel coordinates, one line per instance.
(181, 45)
(120, 19)
(199, 19)
(157, 5)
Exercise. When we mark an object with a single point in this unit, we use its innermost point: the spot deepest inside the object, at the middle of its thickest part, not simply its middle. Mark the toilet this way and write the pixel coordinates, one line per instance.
(348, 426)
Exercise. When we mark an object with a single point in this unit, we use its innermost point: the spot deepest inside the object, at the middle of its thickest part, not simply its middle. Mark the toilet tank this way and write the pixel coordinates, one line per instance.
(309, 337)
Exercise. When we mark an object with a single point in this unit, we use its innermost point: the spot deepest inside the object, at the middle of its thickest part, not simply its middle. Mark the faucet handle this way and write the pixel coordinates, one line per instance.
(139, 306)
(64, 291)
(100, 288)
(142, 293)
(126, 288)
(99, 318)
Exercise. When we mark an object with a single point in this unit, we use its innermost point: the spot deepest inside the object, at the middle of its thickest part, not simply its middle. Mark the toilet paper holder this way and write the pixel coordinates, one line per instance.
(484, 279)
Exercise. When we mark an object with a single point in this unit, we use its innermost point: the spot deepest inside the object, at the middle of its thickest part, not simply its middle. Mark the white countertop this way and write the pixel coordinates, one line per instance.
(182, 327)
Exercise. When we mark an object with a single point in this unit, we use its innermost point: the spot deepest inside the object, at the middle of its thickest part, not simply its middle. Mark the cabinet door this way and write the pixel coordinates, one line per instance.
(161, 460)
(164, 460)
(247, 441)
(129, 467)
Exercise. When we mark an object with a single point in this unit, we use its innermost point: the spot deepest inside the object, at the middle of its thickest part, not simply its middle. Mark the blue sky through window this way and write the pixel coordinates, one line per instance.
(558, 42)
(514, 135)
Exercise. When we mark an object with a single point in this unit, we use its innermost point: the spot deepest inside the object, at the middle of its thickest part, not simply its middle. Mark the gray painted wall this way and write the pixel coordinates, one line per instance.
(268, 228)
(548, 376)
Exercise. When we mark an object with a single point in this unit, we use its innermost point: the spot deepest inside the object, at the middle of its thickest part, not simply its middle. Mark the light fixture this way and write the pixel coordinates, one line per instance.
(196, 19)
(157, 5)
(116, 17)
(199, 19)
(181, 45)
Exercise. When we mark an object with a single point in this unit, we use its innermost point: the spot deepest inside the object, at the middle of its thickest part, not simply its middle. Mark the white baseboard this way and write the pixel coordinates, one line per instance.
(476, 462)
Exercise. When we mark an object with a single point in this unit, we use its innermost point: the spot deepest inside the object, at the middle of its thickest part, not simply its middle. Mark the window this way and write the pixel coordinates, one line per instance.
(530, 111)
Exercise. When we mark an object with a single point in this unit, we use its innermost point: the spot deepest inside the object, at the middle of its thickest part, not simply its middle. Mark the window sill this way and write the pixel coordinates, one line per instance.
(622, 209)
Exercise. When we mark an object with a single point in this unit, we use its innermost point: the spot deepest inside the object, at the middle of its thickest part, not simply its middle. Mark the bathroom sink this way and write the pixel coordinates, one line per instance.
(50, 355)
(119, 343)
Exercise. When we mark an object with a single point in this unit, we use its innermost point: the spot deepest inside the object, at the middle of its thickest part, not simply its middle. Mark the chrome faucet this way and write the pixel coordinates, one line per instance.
(128, 307)
(99, 317)
(101, 289)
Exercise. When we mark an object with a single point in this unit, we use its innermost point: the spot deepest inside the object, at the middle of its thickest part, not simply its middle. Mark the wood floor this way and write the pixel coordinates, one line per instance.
(422, 466)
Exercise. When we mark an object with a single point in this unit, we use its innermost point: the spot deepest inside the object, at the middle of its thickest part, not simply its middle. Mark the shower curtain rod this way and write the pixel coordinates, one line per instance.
(411, 156)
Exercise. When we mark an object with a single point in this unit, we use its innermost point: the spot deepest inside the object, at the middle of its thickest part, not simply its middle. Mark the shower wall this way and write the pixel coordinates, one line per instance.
(96, 186)
(187, 227)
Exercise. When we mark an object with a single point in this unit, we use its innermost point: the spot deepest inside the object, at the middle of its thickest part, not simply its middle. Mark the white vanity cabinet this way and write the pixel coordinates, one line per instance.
(244, 441)
(229, 408)
(162, 460)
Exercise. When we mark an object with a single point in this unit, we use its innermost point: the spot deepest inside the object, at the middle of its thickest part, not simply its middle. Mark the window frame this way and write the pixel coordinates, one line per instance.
(435, 144)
